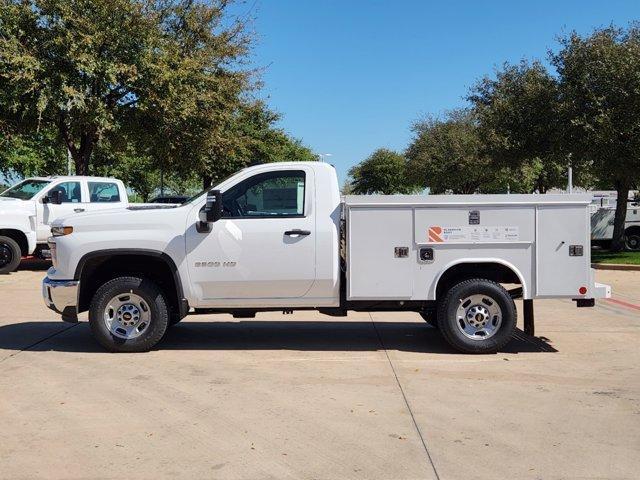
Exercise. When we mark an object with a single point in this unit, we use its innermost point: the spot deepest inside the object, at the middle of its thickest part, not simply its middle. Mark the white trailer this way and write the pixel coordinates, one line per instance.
(279, 237)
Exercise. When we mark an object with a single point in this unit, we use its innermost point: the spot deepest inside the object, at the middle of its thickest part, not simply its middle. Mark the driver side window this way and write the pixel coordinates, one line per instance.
(266, 195)
(70, 192)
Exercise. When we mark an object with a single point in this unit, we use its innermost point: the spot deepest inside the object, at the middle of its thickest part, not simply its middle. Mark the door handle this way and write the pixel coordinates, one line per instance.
(78, 210)
(297, 231)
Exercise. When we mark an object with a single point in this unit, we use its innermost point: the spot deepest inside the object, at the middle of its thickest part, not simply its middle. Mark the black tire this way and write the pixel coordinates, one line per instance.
(448, 318)
(632, 242)
(10, 255)
(153, 297)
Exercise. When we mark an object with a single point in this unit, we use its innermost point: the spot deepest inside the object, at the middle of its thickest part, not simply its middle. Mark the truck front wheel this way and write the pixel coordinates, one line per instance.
(10, 255)
(477, 316)
(128, 314)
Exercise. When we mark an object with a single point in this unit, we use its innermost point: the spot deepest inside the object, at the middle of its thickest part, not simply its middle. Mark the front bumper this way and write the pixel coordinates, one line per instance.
(61, 296)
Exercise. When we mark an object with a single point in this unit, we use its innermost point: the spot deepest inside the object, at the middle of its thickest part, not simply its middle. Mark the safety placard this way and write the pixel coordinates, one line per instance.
(464, 234)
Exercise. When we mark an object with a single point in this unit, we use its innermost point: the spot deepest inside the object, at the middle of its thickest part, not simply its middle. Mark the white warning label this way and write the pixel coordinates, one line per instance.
(437, 234)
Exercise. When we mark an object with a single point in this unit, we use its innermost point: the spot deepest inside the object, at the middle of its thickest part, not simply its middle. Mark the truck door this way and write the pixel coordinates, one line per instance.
(47, 212)
(265, 244)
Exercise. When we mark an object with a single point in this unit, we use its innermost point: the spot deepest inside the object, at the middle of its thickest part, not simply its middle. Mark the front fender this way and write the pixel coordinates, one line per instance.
(21, 221)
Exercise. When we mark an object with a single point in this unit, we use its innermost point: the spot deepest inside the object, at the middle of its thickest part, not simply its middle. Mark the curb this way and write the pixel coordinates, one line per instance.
(616, 266)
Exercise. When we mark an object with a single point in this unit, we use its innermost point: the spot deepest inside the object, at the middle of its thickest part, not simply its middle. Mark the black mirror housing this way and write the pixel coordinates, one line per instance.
(213, 207)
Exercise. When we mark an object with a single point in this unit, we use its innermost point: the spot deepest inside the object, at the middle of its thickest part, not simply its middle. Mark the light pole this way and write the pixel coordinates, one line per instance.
(324, 155)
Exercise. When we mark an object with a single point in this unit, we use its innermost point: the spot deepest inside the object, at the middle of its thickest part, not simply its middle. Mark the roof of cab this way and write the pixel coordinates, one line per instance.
(74, 177)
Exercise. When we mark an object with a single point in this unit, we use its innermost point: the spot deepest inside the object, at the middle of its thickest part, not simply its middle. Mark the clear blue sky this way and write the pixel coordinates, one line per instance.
(351, 76)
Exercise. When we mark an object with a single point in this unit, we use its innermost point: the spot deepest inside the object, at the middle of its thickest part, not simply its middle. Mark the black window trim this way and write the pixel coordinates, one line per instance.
(286, 215)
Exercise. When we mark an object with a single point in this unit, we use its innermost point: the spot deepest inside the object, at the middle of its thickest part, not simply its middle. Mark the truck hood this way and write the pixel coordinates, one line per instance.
(14, 206)
(125, 218)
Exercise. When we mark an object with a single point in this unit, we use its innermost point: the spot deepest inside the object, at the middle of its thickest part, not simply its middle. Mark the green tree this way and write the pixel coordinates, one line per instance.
(40, 153)
(600, 88)
(449, 156)
(250, 137)
(520, 122)
(383, 172)
(166, 73)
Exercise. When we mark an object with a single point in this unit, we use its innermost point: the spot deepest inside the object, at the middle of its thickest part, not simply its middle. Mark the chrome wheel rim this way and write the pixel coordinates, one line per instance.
(633, 242)
(478, 317)
(127, 316)
(6, 254)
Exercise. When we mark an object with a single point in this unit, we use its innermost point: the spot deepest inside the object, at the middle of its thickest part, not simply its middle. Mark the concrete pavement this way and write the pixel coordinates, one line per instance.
(377, 396)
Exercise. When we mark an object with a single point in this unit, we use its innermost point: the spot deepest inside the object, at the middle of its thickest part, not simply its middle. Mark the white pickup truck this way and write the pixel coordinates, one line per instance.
(28, 208)
(279, 237)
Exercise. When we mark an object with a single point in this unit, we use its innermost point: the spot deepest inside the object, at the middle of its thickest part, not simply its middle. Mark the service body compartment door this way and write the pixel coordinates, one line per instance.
(381, 253)
(563, 251)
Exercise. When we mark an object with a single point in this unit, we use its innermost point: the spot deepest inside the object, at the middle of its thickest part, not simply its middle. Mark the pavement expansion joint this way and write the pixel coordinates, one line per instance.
(406, 400)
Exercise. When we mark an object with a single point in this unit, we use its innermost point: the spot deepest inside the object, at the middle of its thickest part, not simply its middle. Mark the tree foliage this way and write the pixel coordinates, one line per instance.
(600, 88)
(165, 71)
(519, 114)
(448, 156)
(383, 172)
(133, 88)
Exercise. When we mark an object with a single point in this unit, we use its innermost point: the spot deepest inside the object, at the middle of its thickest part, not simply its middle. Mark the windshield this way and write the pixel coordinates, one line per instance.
(25, 190)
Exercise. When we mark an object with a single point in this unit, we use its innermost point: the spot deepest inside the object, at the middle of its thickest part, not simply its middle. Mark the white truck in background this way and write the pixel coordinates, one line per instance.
(28, 209)
(279, 237)
(602, 226)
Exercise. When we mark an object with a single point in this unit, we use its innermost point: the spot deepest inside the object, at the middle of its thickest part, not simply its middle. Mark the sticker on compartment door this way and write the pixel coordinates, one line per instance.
(437, 234)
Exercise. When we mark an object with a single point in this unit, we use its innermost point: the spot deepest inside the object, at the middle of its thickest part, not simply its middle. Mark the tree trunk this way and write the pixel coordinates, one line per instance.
(617, 242)
(82, 164)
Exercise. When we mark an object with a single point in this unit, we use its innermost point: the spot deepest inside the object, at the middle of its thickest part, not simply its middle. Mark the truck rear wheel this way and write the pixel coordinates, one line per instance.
(10, 255)
(477, 316)
(128, 314)
(632, 241)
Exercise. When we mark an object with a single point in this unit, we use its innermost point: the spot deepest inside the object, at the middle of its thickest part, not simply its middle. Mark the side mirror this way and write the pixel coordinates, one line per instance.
(213, 207)
(54, 197)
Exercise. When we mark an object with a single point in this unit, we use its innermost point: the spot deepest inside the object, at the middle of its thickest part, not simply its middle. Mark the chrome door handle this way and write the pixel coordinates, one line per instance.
(78, 210)
(297, 231)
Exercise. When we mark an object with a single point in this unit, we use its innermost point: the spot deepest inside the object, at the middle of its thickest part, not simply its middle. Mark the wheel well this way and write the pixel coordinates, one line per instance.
(496, 272)
(634, 230)
(97, 270)
(19, 237)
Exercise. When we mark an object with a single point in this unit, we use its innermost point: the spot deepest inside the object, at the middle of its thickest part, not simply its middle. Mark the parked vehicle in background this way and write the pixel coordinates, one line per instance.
(602, 226)
(28, 209)
(177, 199)
(279, 237)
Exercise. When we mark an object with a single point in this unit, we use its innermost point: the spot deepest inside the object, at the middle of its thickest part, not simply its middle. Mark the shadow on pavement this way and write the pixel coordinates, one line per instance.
(260, 335)
(34, 265)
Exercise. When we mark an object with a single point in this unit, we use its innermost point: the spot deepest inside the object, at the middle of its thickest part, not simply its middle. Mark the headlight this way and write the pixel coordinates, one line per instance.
(61, 231)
